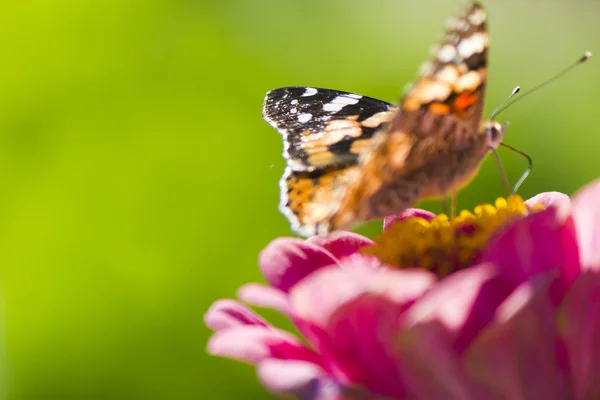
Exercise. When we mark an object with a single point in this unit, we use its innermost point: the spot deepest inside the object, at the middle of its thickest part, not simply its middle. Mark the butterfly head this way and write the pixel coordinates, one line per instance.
(493, 131)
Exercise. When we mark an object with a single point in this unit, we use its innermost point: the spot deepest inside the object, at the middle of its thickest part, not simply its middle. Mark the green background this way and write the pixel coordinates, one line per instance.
(139, 181)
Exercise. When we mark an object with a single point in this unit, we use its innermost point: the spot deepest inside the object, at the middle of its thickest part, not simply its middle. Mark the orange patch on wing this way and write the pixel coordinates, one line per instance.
(377, 119)
(300, 190)
(426, 91)
(358, 146)
(464, 101)
(314, 199)
(321, 158)
(439, 108)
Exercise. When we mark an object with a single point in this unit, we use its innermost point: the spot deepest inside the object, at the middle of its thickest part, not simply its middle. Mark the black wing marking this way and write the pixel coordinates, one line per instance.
(324, 127)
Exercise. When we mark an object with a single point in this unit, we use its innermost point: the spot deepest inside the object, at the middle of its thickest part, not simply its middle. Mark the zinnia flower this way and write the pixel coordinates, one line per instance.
(503, 303)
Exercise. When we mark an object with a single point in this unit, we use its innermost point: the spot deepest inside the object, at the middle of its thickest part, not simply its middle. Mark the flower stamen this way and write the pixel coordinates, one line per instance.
(445, 245)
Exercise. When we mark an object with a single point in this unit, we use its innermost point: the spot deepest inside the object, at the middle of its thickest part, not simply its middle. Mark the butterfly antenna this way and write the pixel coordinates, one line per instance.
(495, 111)
(586, 56)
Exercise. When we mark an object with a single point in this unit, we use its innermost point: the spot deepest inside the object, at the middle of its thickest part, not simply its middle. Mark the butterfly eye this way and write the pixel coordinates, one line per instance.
(495, 133)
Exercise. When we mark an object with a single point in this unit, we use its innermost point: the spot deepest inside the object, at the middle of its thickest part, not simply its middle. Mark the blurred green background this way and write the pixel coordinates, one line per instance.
(139, 181)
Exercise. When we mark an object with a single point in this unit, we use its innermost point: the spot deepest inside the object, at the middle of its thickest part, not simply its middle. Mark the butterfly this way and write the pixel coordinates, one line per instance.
(351, 158)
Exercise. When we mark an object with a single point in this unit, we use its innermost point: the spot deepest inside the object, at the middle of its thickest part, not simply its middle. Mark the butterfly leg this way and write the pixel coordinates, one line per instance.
(454, 202)
(526, 173)
(449, 205)
(505, 180)
(446, 205)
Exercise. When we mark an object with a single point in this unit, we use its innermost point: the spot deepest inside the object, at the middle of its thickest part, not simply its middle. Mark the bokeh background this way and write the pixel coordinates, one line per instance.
(139, 181)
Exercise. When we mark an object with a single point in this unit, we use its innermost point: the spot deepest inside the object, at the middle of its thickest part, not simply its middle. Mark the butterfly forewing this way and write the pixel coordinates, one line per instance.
(433, 146)
(320, 126)
(452, 82)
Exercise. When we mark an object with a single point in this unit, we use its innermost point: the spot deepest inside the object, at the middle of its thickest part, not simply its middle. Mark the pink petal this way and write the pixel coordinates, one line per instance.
(305, 381)
(319, 297)
(465, 302)
(408, 213)
(537, 244)
(516, 356)
(363, 260)
(226, 313)
(340, 244)
(301, 379)
(560, 201)
(431, 368)
(586, 214)
(286, 261)
(357, 345)
(254, 344)
(264, 296)
(351, 316)
(579, 324)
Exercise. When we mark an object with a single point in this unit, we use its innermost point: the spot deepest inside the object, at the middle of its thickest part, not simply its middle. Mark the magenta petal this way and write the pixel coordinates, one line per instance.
(286, 261)
(408, 213)
(319, 297)
(305, 381)
(301, 379)
(351, 316)
(516, 356)
(586, 214)
(431, 368)
(579, 325)
(537, 244)
(226, 313)
(465, 302)
(254, 344)
(340, 244)
(560, 201)
(288, 376)
(264, 296)
(365, 261)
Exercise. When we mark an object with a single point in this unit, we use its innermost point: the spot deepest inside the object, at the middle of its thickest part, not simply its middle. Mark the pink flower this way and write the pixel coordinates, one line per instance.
(521, 322)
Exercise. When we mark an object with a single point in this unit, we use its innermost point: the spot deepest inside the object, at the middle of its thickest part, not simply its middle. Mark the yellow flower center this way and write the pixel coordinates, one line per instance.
(444, 245)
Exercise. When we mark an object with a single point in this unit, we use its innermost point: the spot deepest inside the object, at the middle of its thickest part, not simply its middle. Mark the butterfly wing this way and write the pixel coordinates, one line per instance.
(324, 132)
(351, 158)
(451, 85)
(432, 145)
(323, 127)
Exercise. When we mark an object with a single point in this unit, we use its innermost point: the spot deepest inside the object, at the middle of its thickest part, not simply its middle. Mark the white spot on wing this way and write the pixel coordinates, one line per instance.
(339, 102)
(309, 92)
(355, 96)
(468, 81)
(293, 111)
(474, 44)
(446, 53)
(331, 107)
(448, 74)
(295, 101)
(304, 118)
(477, 17)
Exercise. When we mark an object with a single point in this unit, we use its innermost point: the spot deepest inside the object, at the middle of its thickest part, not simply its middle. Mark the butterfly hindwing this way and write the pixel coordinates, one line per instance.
(323, 127)
(310, 199)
